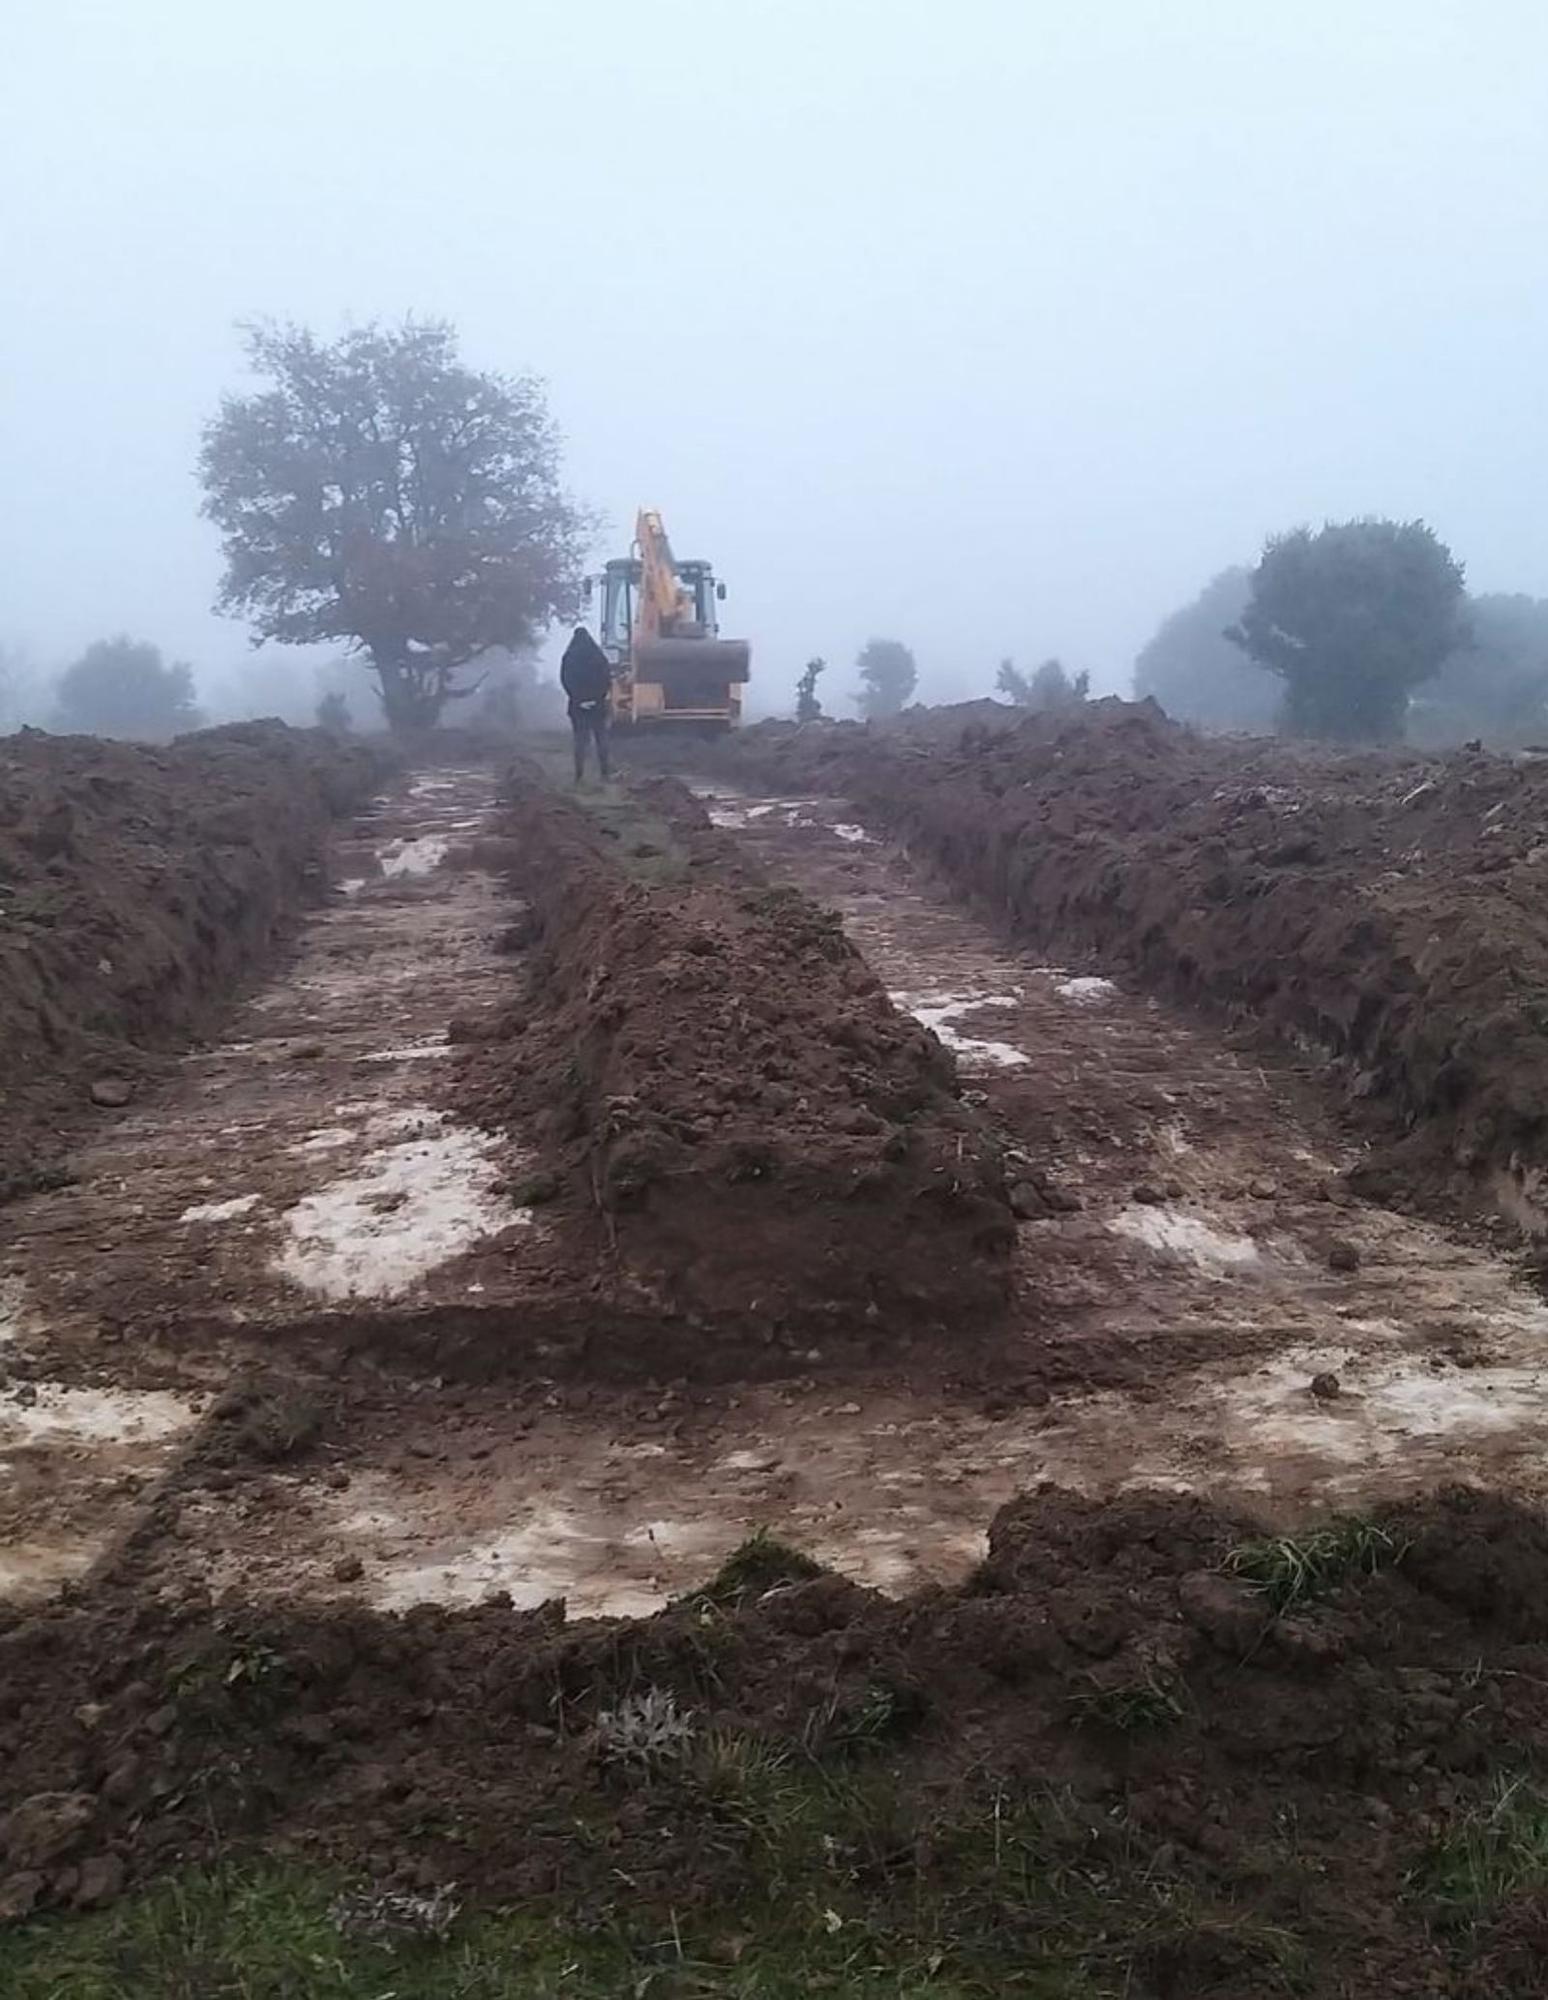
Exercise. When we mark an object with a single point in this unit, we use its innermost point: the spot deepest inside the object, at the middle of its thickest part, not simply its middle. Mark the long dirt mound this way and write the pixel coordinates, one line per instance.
(139, 888)
(751, 1130)
(1388, 912)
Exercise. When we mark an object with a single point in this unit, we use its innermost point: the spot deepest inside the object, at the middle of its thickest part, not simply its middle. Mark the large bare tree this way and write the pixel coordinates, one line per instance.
(378, 491)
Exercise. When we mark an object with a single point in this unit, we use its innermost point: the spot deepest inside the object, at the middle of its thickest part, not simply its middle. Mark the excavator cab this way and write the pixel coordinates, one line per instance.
(620, 581)
(660, 628)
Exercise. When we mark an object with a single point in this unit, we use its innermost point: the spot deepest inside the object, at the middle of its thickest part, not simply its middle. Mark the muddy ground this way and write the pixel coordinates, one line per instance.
(332, 1525)
(138, 889)
(1106, 1727)
(1383, 913)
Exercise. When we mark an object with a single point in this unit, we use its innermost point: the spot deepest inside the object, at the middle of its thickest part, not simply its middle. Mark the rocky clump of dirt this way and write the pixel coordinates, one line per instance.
(1217, 1765)
(748, 1126)
(138, 888)
(1386, 911)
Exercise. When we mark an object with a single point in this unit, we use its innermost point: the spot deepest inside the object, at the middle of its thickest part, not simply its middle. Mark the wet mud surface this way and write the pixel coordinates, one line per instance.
(333, 1523)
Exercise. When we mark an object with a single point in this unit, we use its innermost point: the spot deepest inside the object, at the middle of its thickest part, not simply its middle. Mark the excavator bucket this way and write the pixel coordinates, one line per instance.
(722, 660)
(695, 676)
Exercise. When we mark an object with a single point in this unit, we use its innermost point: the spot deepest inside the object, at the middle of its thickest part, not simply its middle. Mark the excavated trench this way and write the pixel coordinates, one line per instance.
(296, 1327)
(1202, 1263)
(365, 1310)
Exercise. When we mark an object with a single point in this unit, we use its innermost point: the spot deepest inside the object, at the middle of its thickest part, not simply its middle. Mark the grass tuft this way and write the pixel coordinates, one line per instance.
(1150, 1700)
(1489, 1854)
(882, 1713)
(1292, 1569)
(761, 1563)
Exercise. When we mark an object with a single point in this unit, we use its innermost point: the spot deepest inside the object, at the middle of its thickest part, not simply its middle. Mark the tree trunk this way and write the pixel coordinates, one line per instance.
(408, 701)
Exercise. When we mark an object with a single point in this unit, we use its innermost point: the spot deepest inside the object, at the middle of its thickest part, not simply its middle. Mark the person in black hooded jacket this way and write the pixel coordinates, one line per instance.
(587, 680)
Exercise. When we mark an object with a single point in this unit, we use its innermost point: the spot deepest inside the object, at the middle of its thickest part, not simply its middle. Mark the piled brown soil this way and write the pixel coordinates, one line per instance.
(1208, 1795)
(1388, 912)
(138, 888)
(750, 1128)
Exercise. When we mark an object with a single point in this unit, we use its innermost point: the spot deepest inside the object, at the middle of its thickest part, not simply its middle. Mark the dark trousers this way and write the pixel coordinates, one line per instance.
(589, 725)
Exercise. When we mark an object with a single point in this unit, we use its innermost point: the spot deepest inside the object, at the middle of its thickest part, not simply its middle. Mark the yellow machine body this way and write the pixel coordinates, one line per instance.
(661, 632)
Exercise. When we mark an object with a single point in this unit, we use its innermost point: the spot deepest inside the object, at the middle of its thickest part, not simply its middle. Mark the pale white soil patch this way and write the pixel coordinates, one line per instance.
(92, 1416)
(294, 1163)
(1085, 991)
(375, 1232)
(940, 1013)
(414, 857)
(1187, 1236)
(221, 1211)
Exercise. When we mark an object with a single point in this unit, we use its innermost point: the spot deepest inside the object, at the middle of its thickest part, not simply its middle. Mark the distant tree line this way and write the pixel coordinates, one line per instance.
(808, 706)
(126, 688)
(376, 493)
(1359, 632)
(118, 687)
(889, 678)
(1046, 687)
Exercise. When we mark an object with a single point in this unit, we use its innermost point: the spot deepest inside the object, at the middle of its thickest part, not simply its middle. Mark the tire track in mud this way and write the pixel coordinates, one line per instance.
(1205, 1265)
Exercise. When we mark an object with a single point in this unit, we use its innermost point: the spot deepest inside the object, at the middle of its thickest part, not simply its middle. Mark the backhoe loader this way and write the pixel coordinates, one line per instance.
(659, 629)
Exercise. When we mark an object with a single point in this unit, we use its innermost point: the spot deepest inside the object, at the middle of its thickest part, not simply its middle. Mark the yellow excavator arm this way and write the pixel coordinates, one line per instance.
(662, 597)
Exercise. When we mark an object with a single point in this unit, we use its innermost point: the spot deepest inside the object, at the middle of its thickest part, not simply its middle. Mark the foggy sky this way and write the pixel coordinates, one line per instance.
(996, 326)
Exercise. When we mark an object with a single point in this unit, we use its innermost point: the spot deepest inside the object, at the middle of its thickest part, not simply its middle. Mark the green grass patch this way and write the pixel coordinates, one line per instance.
(1488, 1855)
(760, 1563)
(267, 1934)
(829, 1880)
(1030, 1892)
(881, 1713)
(1293, 1569)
